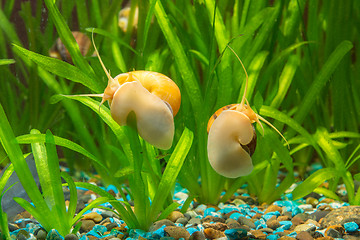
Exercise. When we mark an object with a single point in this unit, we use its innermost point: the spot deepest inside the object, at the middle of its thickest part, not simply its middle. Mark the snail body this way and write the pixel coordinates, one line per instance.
(153, 97)
(59, 51)
(232, 137)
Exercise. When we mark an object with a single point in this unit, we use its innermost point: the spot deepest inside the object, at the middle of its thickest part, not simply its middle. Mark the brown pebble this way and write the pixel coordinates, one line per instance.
(213, 219)
(313, 222)
(212, 233)
(93, 216)
(325, 238)
(87, 225)
(177, 232)
(232, 223)
(197, 235)
(217, 226)
(283, 218)
(313, 201)
(296, 221)
(273, 224)
(273, 208)
(175, 215)
(336, 217)
(304, 236)
(287, 238)
(258, 234)
(338, 228)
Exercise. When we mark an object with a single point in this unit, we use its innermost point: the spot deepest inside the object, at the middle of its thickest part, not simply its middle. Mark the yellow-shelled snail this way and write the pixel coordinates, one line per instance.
(232, 137)
(153, 97)
(59, 51)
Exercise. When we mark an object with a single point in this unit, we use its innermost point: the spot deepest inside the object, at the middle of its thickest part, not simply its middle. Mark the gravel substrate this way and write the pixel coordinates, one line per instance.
(313, 217)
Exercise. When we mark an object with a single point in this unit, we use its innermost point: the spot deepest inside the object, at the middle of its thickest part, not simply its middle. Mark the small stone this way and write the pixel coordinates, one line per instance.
(246, 221)
(72, 236)
(194, 221)
(212, 219)
(235, 233)
(339, 215)
(316, 234)
(338, 228)
(182, 221)
(287, 238)
(313, 201)
(41, 234)
(212, 233)
(111, 226)
(273, 224)
(158, 224)
(93, 216)
(302, 227)
(22, 235)
(86, 225)
(273, 208)
(217, 226)
(175, 215)
(54, 235)
(232, 223)
(319, 215)
(325, 238)
(197, 235)
(351, 227)
(304, 236)
(267, 230)
(349, 237)
(312, 222)
(258, 234)
(177, 232)
(283, 218)
(333, 233)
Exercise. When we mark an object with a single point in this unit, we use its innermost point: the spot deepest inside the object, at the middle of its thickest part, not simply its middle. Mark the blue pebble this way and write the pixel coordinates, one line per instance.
(112, 187)
(296, 211)
(285, 225)
(293, 234)
(235, 233)
(209, 211)
(272, 237)
(236, 215)
(351, 226)
(159, 232)
(84, 237)
(191, 230)
(135, 233)
(99, 228)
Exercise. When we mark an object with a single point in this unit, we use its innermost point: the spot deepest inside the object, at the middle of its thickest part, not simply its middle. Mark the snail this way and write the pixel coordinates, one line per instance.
(59, 51)
(232, 137)
(123, 18)
(153, 97)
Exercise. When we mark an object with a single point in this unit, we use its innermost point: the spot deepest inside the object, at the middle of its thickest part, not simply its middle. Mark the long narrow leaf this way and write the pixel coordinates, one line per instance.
(171, 171)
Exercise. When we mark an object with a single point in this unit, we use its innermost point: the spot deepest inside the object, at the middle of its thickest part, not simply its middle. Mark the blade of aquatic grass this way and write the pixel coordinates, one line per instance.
(321, 78)
(105, 115)
(91, 205)
(126, 214)
(327, 193)
(351, 160)
(15, 155)
(82, 16)
(73, 195)
(112, 37)
(40, 138)
(282, 117)
(313, 181)
(8, 29)
(61, 69)
(5, 233)
(69, 41)
(5, 177)
(187, 73)
(171, 172)
(285, 80)
(324, 141)
(169, 209)
(6, 61)
(95, 12)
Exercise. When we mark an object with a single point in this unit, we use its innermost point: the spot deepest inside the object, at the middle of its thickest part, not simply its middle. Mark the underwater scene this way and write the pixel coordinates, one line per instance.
(179, 119)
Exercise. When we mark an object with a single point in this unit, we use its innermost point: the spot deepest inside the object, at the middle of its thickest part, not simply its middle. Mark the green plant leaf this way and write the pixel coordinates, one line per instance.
(60, 68)
(6, 61)
(171, 172)
(40, 138)
(313, 181)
